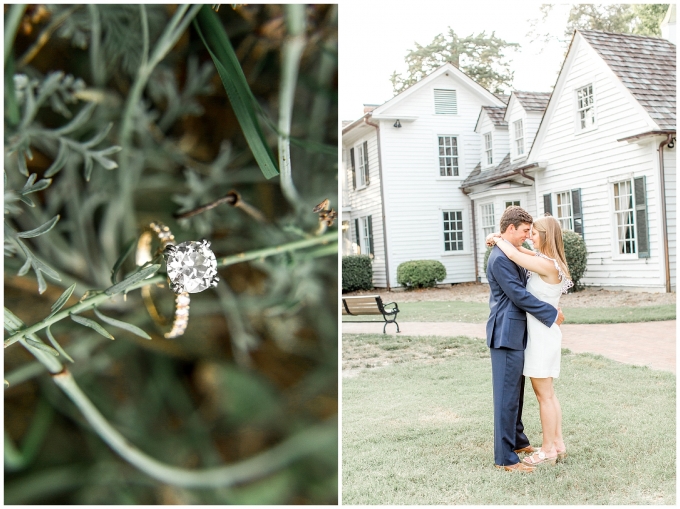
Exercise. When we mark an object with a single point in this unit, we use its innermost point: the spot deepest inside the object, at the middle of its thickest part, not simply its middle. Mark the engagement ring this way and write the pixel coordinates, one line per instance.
(191, 267)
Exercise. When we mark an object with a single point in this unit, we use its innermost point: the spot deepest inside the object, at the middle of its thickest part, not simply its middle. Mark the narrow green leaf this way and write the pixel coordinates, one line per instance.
(122, 325)
(92, 324)
(42, 285)
(62, 299)
(56, 345)
(59, 162)
(132, 279)
(242, 100)
(38, 186)
(129, 247)
(25, 268)
(79, 120)
(42, 346)
(40, 229)
(89, 165)
(98, 138)
(26, 200)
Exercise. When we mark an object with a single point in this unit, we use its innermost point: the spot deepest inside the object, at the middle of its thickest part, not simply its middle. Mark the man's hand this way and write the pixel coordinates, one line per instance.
(560, 317)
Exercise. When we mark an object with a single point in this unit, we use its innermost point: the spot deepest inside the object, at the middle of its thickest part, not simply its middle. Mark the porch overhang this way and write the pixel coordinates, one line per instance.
(648, 134)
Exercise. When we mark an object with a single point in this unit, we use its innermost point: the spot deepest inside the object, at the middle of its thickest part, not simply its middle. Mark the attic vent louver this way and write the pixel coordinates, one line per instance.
(445, 102)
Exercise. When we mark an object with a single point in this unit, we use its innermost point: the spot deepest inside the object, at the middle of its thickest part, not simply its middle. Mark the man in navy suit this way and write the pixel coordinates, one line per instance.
(506, 336)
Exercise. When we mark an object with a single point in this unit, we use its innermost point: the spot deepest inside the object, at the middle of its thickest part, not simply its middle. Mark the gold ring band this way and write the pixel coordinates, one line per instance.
(145, 254)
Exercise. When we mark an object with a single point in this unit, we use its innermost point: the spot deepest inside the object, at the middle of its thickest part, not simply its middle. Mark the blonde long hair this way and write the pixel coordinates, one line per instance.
(550, 233)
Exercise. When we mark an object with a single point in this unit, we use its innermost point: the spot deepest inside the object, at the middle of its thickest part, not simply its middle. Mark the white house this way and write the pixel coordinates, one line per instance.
(405, 161)
(598, 153)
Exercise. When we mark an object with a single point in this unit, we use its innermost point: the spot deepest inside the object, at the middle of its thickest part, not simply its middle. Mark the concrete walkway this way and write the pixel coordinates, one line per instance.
(644, 344)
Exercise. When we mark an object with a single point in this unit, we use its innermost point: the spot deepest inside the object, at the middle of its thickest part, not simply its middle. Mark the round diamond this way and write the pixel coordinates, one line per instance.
(191, 267)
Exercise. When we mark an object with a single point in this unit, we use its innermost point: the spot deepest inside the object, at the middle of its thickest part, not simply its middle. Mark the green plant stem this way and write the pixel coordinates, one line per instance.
(292, 52)
(96, 62)
(301, 444)
(159, 278)
(16, 12)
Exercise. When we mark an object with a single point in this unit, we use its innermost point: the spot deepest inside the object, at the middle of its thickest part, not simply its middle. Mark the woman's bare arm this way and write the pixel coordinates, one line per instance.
(536, 264)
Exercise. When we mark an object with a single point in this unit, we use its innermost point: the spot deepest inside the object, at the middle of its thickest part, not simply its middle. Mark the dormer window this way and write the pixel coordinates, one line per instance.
(445, 102)
(585, 105)
(519, 137)
(488, 149)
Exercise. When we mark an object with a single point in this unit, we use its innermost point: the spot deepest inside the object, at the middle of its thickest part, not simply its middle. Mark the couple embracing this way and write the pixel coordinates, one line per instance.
(523, 334)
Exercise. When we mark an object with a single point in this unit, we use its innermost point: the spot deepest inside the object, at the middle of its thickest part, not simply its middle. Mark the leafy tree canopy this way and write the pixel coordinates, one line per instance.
(481, 56)
(639, 19)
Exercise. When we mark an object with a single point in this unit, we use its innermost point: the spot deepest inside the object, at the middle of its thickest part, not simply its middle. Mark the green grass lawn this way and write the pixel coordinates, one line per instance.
(473, 312)
(419, 428)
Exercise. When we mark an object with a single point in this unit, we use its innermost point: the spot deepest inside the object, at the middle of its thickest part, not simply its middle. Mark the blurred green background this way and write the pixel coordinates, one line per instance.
(258, 362)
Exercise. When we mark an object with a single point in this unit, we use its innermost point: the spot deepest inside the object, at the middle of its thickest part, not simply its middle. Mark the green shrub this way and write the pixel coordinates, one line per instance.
(577, 257)
(357, 273)
(420, 273)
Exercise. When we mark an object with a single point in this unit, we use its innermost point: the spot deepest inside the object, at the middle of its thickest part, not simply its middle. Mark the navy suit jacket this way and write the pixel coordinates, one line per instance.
(509, 302)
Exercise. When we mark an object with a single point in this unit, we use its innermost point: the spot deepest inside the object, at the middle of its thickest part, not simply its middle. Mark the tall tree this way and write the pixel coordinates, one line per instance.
(639, 19)
(481, 56)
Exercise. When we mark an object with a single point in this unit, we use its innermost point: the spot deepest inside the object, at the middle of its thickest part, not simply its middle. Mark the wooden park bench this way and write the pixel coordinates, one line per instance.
(371, 305)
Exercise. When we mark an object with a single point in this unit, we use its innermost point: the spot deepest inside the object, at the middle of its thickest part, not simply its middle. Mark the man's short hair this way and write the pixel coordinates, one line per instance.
(516, 216)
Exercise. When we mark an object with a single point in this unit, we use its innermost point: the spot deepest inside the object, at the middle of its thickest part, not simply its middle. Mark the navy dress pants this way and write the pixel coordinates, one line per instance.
(508, 398)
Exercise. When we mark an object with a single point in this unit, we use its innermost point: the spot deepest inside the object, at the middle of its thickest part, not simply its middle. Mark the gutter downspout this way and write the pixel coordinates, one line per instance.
(662, 183)
(382, 201)
(474, 235)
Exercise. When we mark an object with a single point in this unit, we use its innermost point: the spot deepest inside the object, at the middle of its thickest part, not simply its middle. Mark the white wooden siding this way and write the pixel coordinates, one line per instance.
(415, 194)
(670, 176)
(591, 161)
(366, 202)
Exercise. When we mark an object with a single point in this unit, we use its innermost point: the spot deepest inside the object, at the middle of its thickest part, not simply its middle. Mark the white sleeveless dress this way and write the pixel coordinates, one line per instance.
(544, 345)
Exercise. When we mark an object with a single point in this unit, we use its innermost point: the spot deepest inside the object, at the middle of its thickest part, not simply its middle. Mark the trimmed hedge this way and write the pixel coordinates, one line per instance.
(577, 257)
(357, 273)
(420, 273)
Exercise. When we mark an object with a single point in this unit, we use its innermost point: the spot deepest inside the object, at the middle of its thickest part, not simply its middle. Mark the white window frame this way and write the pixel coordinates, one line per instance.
(364, 237)
(456, 170)
(463, 232)
(615, 215)
(510, 203)
(360, 174)
(580, 108)
(488, 149)
(488, 218)
(564, 210)
(519, 140)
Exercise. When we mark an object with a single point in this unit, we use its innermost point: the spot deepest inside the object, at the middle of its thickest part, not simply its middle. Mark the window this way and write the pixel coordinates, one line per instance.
(448, 156)
(364, 235)
(488, 221)
(564, 212)
(512, 203)
(445, 102)
(567, 211)
(453, 230)
(519, 137)
(585, 107)
(488, 149)
(361, 171)
(624, 217)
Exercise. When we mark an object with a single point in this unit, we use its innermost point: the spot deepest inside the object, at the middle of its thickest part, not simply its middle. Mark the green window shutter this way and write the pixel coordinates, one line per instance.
(354, 171)
(576, 210)
(547, 203)
(370, 234)
(641, 220)
(366, 162)
(356, 230)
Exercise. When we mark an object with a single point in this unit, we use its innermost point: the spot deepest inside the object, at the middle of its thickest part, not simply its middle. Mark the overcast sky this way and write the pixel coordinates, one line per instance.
(376, 34)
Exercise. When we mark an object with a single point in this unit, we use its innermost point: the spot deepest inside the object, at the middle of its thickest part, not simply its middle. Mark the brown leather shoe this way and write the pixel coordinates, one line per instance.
(529, 449)
(517, 467)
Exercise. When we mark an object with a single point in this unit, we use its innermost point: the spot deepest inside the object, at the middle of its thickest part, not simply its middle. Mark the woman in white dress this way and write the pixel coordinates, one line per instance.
(548, 280)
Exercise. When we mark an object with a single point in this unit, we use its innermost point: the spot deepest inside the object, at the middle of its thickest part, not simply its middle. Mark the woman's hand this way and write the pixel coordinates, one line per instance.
(491, 239)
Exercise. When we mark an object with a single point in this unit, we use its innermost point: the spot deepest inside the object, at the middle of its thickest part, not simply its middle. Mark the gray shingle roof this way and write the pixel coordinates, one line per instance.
(504, 171)
(496, 114)
(646, 66)
(532, 101)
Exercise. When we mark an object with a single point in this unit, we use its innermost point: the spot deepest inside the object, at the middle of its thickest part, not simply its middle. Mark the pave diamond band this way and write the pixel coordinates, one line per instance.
(191, 266)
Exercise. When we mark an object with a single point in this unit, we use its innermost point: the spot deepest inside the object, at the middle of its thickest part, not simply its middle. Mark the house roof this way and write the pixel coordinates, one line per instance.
(646, 66)
(504, 171)
(496, 114)
(532, 101)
